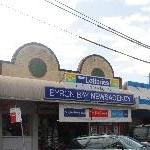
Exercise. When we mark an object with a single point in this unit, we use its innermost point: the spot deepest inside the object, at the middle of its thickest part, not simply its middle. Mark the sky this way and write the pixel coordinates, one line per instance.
(25, 21)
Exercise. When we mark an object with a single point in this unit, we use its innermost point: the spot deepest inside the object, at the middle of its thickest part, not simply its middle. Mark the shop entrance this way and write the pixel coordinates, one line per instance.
(54, 135)
(70, 130)
(47, 133)
(109, 128)
(48, 126)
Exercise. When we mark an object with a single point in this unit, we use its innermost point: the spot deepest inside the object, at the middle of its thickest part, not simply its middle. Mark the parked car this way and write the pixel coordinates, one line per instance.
(107, 142)
(142, 133)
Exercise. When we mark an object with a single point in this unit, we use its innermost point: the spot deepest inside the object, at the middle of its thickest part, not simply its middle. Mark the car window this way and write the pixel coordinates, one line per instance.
(129, 142)
(75, 145)
(112, 143)
(83, 141)
(95, 143)
(104, 143)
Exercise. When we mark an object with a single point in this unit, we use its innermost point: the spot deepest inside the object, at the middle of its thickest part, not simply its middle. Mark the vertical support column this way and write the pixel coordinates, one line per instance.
(34, 128)
(149, 78)
(1, 131)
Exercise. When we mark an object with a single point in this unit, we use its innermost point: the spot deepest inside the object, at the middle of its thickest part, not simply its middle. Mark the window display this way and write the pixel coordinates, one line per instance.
(14, 129)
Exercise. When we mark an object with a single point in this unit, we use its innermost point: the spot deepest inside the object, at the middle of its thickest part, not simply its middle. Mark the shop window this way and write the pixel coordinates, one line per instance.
(14, 129)
(37, 67)
(97, 72)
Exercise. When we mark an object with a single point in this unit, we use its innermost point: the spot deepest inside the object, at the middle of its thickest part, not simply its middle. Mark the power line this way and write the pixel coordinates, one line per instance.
(98, 24)
(105, 27)
(111, 49)
(72, 34)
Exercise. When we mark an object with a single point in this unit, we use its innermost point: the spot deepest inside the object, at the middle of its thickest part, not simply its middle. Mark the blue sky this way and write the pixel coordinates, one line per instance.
(130, 17)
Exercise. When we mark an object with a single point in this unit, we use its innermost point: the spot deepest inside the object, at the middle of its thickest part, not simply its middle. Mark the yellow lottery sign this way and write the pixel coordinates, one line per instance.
(77, 78)
(70, 77)
(114, 83)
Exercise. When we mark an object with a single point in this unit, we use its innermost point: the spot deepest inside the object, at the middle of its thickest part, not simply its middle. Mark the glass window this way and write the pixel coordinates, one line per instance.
(97, 72)
(95, 143)
(129, 141)
(14, 129)
(112, 143)
(104, 143)
(37, 67)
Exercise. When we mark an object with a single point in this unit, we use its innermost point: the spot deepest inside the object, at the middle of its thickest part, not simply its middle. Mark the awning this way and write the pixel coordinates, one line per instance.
(23, 88)
(141, 92)
(17, 88)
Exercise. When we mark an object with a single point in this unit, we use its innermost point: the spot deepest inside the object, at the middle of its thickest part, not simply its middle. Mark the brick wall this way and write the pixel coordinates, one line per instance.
(18, 67)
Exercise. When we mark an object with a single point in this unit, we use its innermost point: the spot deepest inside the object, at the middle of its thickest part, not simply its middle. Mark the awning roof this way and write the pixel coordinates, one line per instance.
(139, 89)
(141, 92)
(30, 89)
(23, 88)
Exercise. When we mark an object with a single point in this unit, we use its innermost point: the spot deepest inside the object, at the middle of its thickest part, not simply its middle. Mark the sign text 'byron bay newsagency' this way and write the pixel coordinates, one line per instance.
(66, 94)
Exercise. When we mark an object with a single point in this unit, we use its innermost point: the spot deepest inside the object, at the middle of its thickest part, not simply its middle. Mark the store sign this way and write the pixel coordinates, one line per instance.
(119, 113)
(69, 112)
(72, 112)
(98, 113)
(114, 83)
(65, 94)
(91, 80)
(69, 77)
(15, 115)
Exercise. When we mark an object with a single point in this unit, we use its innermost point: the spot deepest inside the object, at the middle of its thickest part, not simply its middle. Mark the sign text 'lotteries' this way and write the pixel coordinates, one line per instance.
(92, 80)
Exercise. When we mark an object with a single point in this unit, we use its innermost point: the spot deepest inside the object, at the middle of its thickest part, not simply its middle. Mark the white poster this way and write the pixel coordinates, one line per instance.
(15, 115)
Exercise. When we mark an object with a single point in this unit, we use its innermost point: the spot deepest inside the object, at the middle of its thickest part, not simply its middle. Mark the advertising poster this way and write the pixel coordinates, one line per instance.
(15, 115)
(82, 113)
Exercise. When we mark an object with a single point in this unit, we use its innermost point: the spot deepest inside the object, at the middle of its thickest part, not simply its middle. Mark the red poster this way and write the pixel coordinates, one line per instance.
(13, 117)
(98, 113)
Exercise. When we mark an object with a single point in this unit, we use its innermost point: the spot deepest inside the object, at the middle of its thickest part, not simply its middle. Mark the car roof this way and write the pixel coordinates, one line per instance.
(141, 125)
(96, 136)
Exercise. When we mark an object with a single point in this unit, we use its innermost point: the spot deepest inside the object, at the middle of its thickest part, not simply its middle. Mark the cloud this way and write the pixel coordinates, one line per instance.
(137, 2)
(146, 9)
(133, 26)
(17, 30)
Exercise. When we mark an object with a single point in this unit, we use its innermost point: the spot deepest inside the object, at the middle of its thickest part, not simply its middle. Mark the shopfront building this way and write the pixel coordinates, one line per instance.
(141, 113)
(57, 103)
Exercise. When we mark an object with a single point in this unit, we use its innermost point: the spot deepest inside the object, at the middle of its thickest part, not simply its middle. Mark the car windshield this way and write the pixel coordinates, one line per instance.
(129, 142)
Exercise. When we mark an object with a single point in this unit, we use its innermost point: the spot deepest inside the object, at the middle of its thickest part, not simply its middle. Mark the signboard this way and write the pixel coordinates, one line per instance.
(98, 113)
(15, 115)
(69, 77)
(66, 94)
(91, 80)
(119, 113)
(72, 112)
(114, 83)
(93, 113)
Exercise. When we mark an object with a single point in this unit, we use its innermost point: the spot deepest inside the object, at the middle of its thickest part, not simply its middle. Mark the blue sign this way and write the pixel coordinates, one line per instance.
(92, 80)
(119, 113)
(65, 94)
(72, 112)
(144, 101)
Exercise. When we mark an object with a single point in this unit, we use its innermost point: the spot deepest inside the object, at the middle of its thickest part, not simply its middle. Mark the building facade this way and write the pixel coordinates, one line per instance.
(57, 103)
